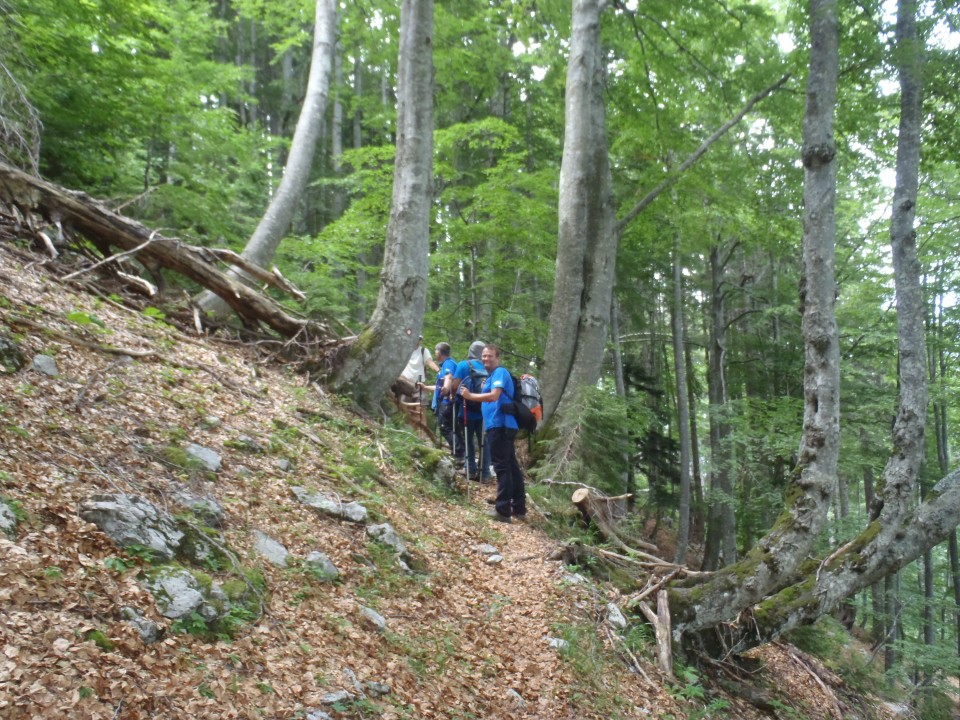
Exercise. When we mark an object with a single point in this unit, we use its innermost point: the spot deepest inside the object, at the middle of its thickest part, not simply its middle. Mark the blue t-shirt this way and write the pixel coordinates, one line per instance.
(493, 414)
(463, 373)
(446, 368)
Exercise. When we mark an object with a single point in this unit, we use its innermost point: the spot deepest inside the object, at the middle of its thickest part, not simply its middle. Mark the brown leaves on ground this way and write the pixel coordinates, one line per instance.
(458, 639)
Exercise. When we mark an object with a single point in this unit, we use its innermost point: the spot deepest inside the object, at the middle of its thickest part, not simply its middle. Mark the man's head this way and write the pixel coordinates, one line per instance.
(490, 357)
(476, 348)
(442, 350)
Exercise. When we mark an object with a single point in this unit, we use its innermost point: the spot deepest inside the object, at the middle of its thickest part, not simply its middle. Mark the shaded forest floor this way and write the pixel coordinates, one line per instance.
(464, 638)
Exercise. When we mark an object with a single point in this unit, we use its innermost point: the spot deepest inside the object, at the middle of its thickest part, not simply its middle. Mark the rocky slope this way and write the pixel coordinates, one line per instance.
(472, 621)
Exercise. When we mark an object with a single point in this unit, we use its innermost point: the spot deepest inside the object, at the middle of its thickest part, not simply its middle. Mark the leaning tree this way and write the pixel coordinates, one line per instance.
(377, 355)
(779, 585)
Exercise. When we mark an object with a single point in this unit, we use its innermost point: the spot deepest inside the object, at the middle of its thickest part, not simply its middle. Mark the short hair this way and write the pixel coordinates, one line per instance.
(442, 348)
(492, 348)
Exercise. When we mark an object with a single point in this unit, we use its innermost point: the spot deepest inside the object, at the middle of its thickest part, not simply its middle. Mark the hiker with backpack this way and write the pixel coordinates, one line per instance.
(471, 374)
(501, 431)
(416, 369)
(443, 400)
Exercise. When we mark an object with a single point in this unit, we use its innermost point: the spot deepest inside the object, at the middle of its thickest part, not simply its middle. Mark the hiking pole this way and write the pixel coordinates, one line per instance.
(466, 465)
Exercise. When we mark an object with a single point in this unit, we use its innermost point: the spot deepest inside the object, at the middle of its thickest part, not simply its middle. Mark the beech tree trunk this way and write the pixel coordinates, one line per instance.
(775, 584)
(777, 557)
(383, 347)
(721, 528)
(586, 241)
(683, 409)
(275, 222)
(588, 231)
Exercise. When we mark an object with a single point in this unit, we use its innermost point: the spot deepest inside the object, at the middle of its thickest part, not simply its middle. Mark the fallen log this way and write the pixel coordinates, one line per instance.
(602, 511)
(108, 228)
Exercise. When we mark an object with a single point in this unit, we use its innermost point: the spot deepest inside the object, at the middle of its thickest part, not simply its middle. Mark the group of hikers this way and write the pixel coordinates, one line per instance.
(475, 404)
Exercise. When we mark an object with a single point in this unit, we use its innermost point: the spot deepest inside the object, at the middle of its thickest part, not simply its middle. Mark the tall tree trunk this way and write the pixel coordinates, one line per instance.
(891, 592)
(777, 557)
(586, 241)
(721, 527)
(697, 518)
(903, 466)
(902, 531)
(683, 409)
(629, 480)
(383, 347)
(276, 220)
(336, 134)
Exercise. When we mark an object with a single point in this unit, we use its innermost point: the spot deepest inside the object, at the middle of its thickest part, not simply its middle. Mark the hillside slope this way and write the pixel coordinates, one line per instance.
(465, 636)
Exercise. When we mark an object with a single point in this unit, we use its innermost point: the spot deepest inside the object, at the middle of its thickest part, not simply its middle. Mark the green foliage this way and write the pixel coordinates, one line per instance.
(117, 564)
(85, 319)
(192, 624)
(935, 704)
(593, 443)
(98, 638)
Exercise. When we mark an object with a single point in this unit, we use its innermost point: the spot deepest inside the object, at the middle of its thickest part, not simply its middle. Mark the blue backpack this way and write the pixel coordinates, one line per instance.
(474, 383)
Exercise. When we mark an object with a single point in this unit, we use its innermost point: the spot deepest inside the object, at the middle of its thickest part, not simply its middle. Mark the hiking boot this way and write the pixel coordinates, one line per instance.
(475, 476)
(459, 463)
(498, 517)
(486, 480)
(491, 501)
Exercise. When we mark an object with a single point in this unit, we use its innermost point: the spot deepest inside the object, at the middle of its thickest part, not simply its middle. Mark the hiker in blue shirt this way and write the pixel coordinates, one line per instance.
(471, 374)
(443, 401)
(501, 431)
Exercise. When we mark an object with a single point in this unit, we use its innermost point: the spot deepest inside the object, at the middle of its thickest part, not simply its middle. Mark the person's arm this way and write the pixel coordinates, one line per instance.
(450, 385)
(491, 396)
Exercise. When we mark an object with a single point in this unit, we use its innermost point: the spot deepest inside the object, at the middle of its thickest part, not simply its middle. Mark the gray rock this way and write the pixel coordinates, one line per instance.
(351, 677)
(149, 631)
(203, 506)
(899, 710)
(270, 550)
(445, 471)
(486, 549)
(284, 465)
(377, 689)
(46, 365)
(374, 618)
(8, 521)
(205, 456)
(331, 505)
(132, 520)
(332, 698)
(209, 422)
(178, 594)
(322, 565)
(494, 559)
(249, 444)
(558, 643)
(318, 715)
(11, 355)
(518, 702)
(615, 617)
(384, 533)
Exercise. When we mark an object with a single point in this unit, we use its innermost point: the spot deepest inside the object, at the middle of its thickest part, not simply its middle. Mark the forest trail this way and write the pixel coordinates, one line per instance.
(466, 638)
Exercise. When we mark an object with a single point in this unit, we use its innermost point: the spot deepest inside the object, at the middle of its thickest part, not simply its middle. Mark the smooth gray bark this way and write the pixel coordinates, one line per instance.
(683, 409)
(586, 263)
(721, 528)
(778, 556)
(262, 245)
(586, 241)
(382, 349)
(900, 532)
